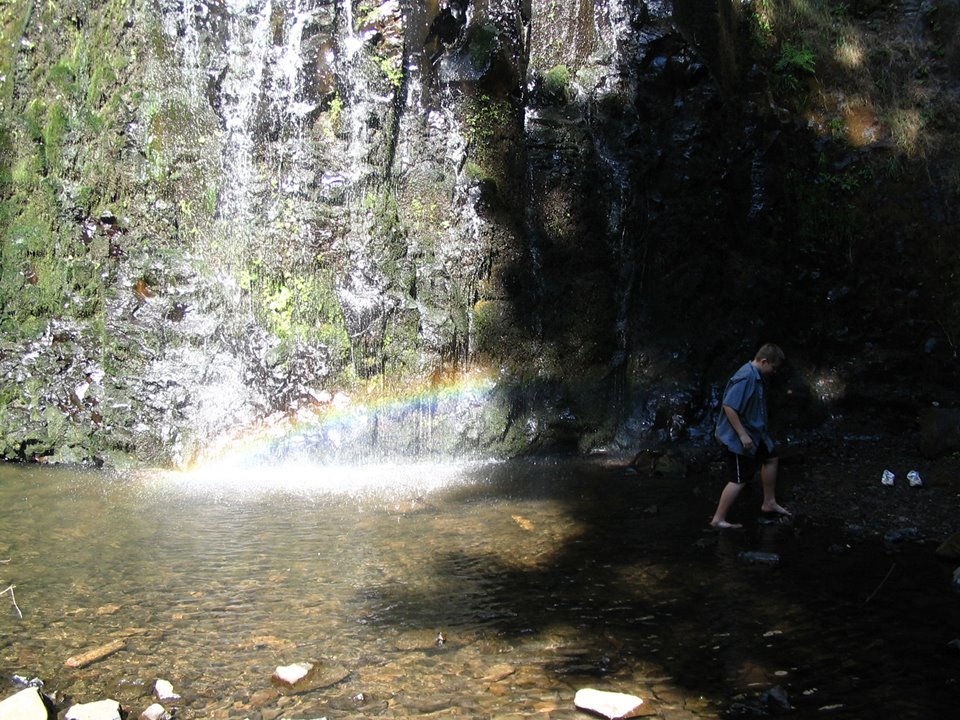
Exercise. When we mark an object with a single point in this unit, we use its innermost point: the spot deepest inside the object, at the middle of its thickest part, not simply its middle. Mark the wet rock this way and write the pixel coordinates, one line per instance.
(302, 677)
(28, 704)
(956, 579)
(163, 690)
(747, 710)
(777, 697)
(950, 548)
(759, 558)
(609, 704)
(23, 682)
(893, 538)
(155, 712)
(100, 710)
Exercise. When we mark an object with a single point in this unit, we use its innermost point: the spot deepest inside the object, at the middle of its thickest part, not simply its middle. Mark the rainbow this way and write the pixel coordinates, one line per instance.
(352, 433)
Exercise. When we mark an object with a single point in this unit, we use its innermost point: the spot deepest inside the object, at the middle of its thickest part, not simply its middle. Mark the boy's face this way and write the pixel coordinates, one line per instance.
(767, 368)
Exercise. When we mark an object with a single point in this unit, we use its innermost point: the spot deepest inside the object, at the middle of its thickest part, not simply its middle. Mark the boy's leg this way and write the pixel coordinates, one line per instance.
(739, 469)
(768, 479)
(729, 494)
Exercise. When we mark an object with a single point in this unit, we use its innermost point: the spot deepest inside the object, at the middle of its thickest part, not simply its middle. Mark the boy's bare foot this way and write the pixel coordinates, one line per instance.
(724, 525)
(775, 508)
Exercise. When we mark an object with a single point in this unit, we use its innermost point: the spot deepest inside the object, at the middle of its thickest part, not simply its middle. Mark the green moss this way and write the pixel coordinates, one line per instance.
(556, 82)
(489, 120)
(304, 307)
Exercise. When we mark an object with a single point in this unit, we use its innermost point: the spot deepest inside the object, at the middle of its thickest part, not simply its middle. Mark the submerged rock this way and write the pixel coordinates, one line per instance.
(892, 538)
(302, 677)
(759, 558)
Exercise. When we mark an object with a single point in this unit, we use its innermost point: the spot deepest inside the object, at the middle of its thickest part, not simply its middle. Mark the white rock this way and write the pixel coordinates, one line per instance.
(163, 689)
(609, 704)
(155, 712)
(292, 674)
(24, 705)
(100, 710)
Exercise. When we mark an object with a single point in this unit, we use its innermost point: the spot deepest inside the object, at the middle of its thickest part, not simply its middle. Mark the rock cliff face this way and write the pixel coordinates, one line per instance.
(469, 226)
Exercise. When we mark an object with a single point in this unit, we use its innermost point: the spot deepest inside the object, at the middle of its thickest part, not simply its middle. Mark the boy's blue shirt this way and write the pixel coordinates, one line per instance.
(745, 393)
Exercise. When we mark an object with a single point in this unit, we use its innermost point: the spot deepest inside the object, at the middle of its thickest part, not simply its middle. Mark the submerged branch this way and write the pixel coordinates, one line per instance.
(13, 599)
(882, 582)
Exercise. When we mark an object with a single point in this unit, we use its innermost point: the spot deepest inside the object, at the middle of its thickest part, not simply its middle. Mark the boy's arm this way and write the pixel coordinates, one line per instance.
(734, 418)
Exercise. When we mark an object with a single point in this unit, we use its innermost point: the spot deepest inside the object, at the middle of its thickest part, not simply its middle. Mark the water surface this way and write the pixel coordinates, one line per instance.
(542, 577)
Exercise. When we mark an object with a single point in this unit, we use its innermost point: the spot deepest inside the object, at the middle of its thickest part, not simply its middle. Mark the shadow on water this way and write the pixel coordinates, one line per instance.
(779, 616)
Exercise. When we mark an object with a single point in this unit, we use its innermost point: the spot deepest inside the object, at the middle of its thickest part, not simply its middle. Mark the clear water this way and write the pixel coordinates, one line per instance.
(543, 577)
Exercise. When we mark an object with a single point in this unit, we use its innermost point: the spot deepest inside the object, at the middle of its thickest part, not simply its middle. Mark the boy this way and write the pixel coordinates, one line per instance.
(742, 430)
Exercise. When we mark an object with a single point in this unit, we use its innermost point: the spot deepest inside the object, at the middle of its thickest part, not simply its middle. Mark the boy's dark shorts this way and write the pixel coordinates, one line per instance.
(740, 469)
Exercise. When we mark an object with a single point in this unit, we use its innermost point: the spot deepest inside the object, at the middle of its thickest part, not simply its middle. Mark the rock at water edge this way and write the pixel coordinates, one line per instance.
(100, 710)
(25, 705)
(609, 704)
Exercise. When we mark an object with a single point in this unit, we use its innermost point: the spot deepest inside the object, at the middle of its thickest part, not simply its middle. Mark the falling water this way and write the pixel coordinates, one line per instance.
(248, 57)
(618, 164)
(246, 51)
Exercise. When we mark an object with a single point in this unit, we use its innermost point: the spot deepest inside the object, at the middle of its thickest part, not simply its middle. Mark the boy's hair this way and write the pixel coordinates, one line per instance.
(771, 353)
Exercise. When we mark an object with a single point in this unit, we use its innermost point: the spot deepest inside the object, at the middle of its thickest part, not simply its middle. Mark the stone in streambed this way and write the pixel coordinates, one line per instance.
(155, 712)
(609, 704)
(163, 689)
(305, 676)
(100, 710)
(759, 558)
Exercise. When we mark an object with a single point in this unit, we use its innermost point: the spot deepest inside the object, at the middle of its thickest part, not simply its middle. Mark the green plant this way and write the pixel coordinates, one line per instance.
(393, 69)
(794, 64)
(796, 60)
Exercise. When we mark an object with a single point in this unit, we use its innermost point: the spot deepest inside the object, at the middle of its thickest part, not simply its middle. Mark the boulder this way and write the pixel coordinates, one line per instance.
(609, 704)
(28, 704)
(100, 710)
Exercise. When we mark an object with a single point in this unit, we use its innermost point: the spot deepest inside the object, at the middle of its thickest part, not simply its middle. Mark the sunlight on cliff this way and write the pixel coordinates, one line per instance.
(827, 386)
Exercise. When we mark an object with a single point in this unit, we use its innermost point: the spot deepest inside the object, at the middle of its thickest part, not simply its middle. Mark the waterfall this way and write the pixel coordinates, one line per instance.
(621, 18)
(248, 36)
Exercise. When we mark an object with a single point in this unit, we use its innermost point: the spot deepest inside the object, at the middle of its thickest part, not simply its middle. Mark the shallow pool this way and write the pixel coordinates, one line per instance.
(480, 590)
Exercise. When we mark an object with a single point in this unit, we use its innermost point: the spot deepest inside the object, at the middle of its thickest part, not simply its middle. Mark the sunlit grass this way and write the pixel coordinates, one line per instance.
(850, 52)
(869, 83)
(907, 126)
